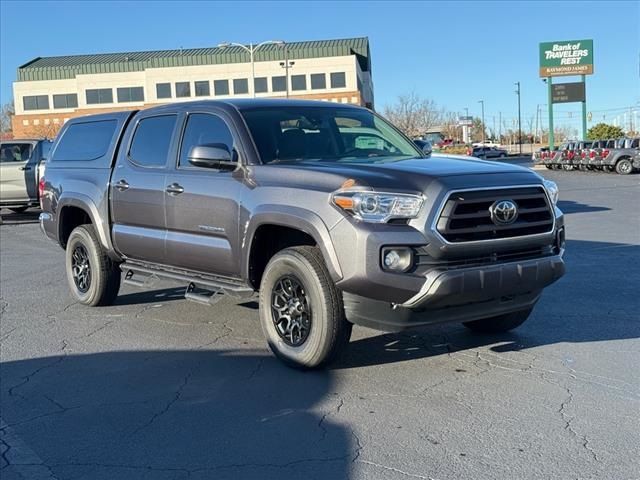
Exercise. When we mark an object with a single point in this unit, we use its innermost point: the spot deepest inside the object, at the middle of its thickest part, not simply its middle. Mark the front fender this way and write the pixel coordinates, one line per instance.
(292, 217)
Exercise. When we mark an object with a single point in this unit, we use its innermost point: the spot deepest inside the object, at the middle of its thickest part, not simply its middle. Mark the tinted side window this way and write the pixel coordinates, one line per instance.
(151, 140)
(15, 152)
(203, 128)
(85, 141)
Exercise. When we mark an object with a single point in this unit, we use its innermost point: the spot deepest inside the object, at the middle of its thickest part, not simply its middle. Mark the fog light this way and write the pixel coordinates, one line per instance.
(397, 259)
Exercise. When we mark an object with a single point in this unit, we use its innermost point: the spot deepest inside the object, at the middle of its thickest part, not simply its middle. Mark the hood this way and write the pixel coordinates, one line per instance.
(411, 174)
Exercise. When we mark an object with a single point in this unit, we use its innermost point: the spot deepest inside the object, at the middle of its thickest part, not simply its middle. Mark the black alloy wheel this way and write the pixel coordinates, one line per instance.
(81, 268)
(291, 311)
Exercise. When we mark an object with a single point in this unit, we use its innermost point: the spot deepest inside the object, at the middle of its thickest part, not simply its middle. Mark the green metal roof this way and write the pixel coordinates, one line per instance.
(57, 68)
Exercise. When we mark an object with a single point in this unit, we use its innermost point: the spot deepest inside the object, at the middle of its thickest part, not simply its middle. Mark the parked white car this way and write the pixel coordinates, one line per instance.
(487, 143)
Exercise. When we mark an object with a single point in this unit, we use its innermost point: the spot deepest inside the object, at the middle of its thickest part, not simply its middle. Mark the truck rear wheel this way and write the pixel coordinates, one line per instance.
(301, 310)
(624, 166)
(499, 324)
(94, 279)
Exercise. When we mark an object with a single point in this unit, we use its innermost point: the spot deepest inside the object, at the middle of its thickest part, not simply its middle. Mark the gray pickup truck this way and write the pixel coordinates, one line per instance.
(327, 211)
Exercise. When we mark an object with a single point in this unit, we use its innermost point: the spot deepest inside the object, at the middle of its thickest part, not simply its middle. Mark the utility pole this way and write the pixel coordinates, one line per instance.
(550, 96)
(481, 102)
(519, 120)
(500, 127)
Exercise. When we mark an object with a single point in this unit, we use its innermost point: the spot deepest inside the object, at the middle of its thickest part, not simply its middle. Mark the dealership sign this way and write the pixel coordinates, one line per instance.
(573, 57)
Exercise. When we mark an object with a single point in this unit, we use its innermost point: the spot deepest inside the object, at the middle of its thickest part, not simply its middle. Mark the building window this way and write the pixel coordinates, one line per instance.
(36, 102)
(338, 80)
(278, 84)
(100, 95)
(203, 89)
(221, 87)
(240, 86)
(260, 85)
(298, 82)
(318, 81)
(183, 89)
(130, 94)
(163, 90)
(66, 100)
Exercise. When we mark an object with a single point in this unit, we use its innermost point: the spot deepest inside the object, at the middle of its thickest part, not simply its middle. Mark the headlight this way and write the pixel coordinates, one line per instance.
(378, 207)
(552, 190)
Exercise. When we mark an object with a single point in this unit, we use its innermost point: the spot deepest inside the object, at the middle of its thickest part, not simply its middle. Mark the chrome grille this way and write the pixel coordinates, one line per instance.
(465, 216)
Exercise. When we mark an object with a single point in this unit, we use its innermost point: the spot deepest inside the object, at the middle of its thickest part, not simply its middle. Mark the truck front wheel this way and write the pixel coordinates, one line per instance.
(499, 324)
(301, 310)
(94, 279)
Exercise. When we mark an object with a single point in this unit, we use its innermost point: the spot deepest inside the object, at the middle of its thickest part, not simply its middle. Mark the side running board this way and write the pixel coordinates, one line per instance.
(143, 274)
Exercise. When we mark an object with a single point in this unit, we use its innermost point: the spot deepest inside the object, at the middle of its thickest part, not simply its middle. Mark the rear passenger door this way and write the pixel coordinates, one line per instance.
(202, 203)
(138, 188)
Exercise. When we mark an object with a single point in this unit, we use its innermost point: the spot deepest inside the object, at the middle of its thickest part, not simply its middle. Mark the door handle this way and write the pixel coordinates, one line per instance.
(174, 189)
(24, 168)
(122, 185)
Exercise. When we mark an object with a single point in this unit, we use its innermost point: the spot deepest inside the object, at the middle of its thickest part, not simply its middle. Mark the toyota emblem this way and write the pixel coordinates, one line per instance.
(504, 212)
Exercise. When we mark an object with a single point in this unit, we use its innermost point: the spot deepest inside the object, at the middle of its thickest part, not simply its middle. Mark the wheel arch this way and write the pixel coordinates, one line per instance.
(280, 219)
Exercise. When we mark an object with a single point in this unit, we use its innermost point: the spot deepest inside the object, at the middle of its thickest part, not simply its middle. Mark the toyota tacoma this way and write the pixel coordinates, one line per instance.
(327, 212)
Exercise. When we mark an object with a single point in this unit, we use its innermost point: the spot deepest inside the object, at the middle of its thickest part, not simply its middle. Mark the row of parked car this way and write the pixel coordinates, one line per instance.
(619, 155)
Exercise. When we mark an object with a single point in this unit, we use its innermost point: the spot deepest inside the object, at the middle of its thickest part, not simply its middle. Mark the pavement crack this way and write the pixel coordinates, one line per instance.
(26, 378)
(169, 404)
(395, 470)
(324, 417)
(257, 368)
(99, 329)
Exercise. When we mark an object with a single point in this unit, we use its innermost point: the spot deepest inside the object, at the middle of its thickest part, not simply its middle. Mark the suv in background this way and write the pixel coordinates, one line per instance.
(19, 172)
(489, 152)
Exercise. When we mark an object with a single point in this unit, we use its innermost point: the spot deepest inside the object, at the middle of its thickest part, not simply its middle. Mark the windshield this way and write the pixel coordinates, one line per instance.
(327, 134)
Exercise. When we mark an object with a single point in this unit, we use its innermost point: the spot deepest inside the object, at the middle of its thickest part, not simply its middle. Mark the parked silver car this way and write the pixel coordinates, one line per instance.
(19, 169)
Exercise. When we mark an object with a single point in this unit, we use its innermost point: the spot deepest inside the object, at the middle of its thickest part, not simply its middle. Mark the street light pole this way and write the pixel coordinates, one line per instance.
(519, 120)
(481, 102)
(251, 49)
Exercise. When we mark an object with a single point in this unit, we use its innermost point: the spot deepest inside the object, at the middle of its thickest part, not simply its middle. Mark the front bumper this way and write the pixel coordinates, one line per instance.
(461, 295)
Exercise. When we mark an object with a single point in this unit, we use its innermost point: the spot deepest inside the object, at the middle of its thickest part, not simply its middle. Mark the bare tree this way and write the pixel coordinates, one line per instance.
(413, 114)
(449, 124)
(6, 113)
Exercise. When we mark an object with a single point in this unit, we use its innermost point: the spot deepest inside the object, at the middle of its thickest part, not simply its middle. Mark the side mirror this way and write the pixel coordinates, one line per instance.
(212, 155)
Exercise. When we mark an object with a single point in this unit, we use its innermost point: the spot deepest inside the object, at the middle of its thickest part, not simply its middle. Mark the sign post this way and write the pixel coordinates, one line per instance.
(573, 57)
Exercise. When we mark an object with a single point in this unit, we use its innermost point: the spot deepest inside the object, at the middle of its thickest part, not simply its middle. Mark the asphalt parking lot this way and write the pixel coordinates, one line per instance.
(156, 387)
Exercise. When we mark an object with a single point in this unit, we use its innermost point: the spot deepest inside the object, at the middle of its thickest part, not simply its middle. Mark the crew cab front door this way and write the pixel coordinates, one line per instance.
(17, 172)
(202, 203)
(138, 188)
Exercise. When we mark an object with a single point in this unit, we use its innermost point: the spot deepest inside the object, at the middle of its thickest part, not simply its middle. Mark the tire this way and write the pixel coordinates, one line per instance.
(18, 209)
(103, 282)
(556, 166)
(499, 324)
(502, 155)
(567, 167)
(624, 166)
(549, 167)
(327, 333)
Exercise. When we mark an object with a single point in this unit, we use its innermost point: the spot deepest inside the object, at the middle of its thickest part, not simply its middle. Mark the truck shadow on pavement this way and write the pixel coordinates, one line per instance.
(568, 207)
(171, 414)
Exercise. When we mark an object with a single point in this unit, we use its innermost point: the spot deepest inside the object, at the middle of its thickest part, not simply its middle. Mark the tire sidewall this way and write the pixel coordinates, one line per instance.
(621, 169)
(81, 236)
(312, 351)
